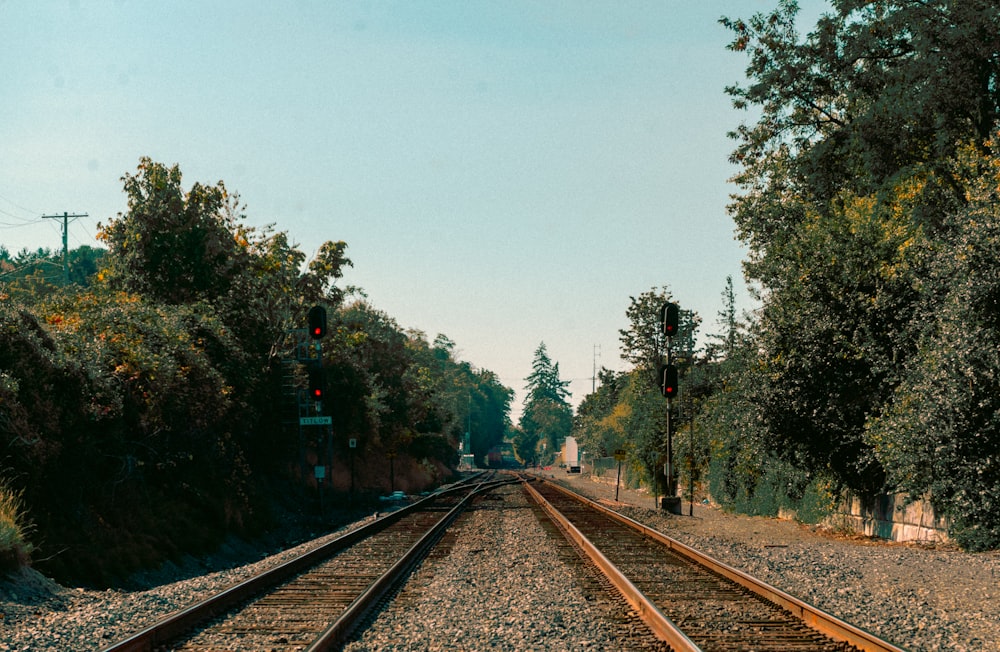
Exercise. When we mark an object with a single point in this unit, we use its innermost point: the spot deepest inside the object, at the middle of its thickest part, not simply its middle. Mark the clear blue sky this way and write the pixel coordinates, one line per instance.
(503, 172)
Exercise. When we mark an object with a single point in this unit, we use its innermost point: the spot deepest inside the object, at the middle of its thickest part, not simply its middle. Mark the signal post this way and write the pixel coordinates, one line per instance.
(315, 394)
(670, 321)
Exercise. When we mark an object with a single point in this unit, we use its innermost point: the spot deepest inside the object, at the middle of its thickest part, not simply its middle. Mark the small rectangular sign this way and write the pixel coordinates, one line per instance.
(315, 421)
(320, 472)
(352, 443)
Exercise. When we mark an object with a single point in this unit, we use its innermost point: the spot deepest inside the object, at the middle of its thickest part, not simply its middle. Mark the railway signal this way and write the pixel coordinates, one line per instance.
(668, 381)
(317, 383)
(670, 318)
(317, 322)
(670, 321)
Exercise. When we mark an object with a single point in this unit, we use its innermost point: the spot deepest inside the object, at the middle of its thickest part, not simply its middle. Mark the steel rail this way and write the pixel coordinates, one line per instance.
(338, 632)
(815, 617)
(178, 623)
(656, 620)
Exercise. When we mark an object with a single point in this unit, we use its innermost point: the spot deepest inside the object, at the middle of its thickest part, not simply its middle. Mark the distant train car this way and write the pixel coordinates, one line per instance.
(494, 458)
(502, 456)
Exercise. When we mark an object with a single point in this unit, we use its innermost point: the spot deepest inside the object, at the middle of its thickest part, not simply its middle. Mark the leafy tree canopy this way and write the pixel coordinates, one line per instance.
(862, 203)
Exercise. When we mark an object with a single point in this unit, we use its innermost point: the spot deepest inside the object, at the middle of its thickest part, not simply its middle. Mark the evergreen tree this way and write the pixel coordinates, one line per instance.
(547, 417)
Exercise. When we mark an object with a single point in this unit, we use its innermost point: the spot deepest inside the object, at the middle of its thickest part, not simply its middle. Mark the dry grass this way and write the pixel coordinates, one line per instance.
(15, 549)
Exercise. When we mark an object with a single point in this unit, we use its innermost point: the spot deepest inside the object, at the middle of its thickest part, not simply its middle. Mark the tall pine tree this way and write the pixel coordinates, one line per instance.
(547, 418)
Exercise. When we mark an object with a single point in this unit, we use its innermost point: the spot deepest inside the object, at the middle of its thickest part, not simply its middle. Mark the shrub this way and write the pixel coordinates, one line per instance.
(15, 550)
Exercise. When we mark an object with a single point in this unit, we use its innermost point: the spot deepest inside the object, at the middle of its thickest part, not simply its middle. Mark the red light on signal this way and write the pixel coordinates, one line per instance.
(317, 383)
(670, 317)
(669, 385)
(317, 322)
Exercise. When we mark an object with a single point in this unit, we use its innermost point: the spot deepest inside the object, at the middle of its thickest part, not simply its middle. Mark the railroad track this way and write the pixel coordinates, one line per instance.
(689, 600)
(313, 602)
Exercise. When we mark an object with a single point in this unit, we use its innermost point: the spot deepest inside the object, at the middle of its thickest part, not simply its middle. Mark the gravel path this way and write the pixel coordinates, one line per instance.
(920, 598)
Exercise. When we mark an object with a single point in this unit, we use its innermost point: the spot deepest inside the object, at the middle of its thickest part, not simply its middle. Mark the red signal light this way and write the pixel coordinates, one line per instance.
(670, 317)
(317, 322)
(317, 383)
(669, 385)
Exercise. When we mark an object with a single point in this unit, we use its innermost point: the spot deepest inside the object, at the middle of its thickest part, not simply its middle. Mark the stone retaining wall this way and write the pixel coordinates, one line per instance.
(892, 517)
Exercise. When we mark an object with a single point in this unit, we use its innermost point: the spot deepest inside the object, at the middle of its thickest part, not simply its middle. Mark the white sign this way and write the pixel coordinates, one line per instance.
(315, 421)
(352, 443)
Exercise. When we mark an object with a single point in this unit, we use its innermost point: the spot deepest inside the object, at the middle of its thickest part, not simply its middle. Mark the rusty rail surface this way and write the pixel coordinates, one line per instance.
(183, 622)
(845, 635)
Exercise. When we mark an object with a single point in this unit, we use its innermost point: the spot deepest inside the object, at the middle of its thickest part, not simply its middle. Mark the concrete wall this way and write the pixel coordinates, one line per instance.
(892, 517)
(605, 470)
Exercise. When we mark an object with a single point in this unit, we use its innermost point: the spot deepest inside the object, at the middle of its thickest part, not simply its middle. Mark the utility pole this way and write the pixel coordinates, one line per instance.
(593, 379)
(65, 217)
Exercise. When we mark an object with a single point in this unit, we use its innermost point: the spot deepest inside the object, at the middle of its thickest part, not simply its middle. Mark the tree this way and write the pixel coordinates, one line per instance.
(547, 417)
(643, 343)
(399, 393)
(173, 246)
(150, 392)
(940, 434)
(721, 346)
(852, 189)
(879, 87)
(842, 186)
(599, 423)
(186, 248)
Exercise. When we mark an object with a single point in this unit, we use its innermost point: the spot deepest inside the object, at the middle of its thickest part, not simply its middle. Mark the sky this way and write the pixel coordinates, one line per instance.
(504, 172)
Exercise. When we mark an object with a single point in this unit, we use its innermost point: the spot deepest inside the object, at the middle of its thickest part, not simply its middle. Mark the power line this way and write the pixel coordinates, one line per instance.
(25, 220)
(16, 205)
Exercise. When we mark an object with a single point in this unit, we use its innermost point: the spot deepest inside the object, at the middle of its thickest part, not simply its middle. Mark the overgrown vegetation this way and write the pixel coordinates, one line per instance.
(868, 195)
(141, 406)
(15, 547)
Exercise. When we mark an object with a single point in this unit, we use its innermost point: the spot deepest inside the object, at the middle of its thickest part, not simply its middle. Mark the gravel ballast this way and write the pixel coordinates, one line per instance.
(919, 597)
(506, 582)
(502, 587)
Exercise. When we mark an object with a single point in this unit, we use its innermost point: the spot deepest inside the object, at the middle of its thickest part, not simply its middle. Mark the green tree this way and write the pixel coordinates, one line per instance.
(599, 424)
(547, 417)
(33, 275)
(491, 416)
(173, 246)
(852, 192)
(180, 247)
(402, 394)
(876, 89)
(940, 435)
(643, 343)
(120, 420)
